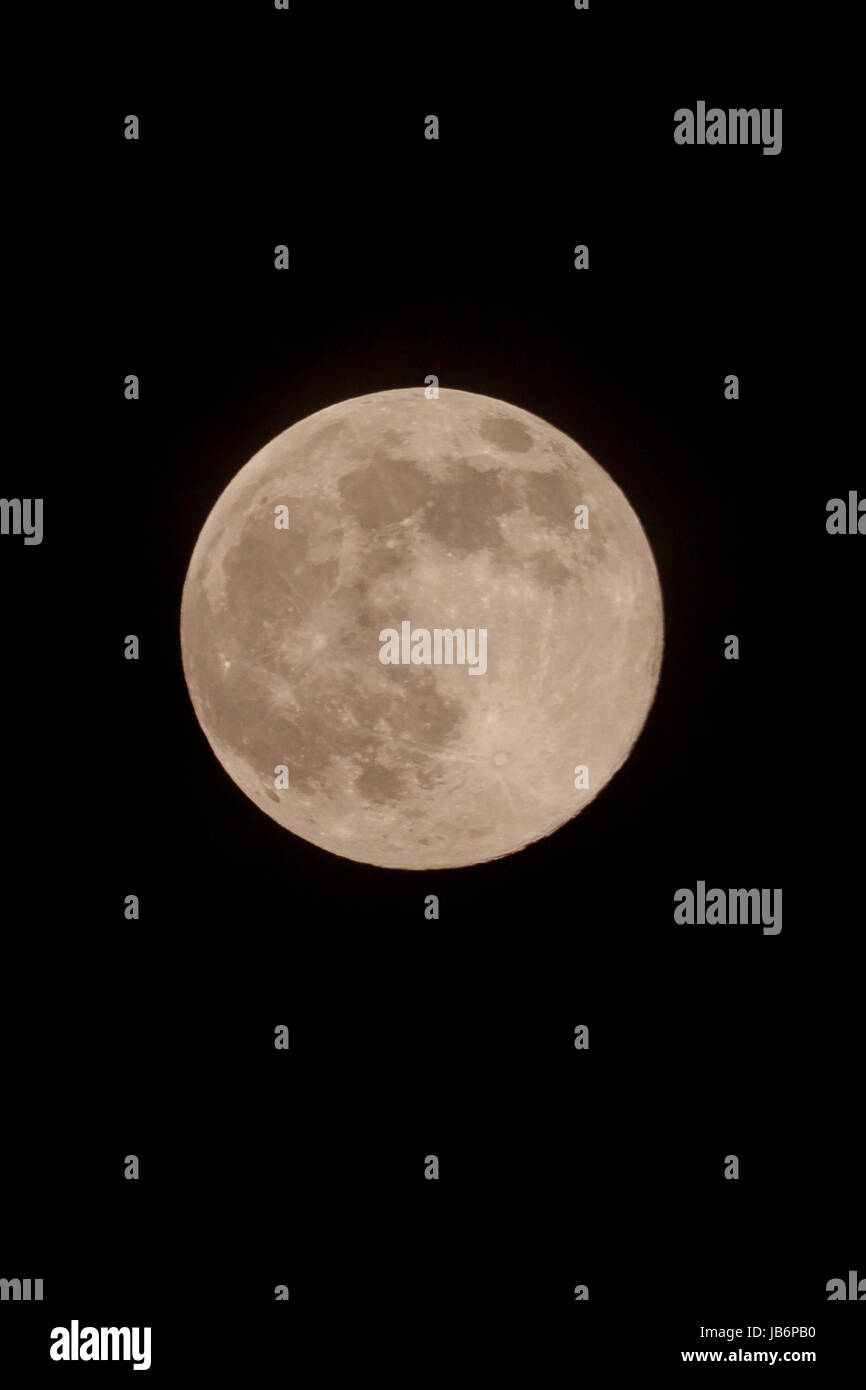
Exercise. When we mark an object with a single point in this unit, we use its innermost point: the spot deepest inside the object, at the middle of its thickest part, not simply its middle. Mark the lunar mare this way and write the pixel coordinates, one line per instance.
(456, 512)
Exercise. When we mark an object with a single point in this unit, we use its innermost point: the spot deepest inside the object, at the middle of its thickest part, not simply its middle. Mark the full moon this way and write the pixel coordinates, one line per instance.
(341, 594)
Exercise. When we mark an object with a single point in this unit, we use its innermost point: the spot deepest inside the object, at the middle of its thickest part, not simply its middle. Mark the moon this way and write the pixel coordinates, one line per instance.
(455, 511)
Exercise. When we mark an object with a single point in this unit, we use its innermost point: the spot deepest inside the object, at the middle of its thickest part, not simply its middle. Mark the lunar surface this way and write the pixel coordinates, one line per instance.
(449, 513)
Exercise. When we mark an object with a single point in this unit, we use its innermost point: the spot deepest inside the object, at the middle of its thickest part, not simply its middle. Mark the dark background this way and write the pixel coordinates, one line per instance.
(410, 257)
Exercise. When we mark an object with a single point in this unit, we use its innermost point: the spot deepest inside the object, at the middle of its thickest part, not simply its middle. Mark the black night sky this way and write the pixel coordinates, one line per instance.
(411, 1037)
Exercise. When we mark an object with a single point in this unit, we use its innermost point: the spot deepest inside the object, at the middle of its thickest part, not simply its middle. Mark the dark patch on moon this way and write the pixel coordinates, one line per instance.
(553, 497)
(356, 723)
(462, 512)
(380, 784)
(265, 577)
(511, 435)
(383, 491)
(547, 570)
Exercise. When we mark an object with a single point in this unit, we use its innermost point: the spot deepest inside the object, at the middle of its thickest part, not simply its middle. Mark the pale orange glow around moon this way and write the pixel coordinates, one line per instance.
(448, 513)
